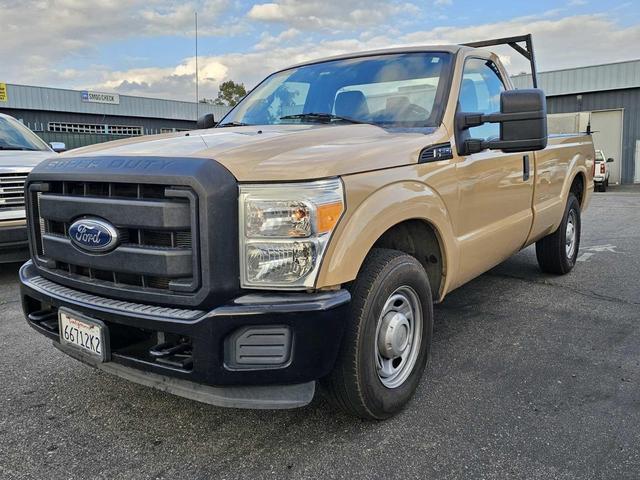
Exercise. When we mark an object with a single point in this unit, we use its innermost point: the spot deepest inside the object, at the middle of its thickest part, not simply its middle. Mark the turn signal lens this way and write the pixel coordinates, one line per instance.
(328, 216)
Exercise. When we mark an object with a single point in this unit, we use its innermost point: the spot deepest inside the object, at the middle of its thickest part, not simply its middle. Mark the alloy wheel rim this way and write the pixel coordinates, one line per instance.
(570, 234)
(398, 337)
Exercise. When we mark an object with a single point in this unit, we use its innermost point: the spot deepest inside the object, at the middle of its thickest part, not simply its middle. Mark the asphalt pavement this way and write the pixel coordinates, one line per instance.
(532, 376)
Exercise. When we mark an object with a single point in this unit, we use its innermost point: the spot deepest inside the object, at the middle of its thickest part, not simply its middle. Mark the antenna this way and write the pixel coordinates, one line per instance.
(197, 93)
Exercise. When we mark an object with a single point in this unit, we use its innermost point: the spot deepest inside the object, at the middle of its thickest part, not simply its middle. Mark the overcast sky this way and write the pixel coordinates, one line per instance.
(146, 47)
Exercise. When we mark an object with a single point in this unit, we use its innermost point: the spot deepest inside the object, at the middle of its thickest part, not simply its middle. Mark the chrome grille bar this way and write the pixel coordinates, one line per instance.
(12, 196)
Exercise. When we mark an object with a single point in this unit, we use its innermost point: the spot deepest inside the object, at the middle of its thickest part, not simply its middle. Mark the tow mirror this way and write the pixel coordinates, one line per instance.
(522, 119)
(206, 121)
(58, 147)
(610, 160)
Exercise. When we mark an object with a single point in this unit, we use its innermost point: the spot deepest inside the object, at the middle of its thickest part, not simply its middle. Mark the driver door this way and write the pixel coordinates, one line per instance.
(495, 192)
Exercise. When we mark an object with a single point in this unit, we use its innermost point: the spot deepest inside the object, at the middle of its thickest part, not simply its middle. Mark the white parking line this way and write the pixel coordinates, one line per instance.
(584, 257)
(591, 251)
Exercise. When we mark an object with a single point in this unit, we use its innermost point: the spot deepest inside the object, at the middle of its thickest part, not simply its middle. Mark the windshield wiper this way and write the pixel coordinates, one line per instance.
(322, 117)
(16, 147)
(234, 124)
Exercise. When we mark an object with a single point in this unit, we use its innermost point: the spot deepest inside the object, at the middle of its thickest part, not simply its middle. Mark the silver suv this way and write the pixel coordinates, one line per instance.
(20, 151)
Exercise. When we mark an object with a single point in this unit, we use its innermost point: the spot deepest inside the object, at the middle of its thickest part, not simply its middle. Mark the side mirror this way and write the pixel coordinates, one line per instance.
(610, 160)
(206, 121)
(58, 147)
(522, 119)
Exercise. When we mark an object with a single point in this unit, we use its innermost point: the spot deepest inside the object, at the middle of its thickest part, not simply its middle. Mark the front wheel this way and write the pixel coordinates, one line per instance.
(387, 340)
(557, 252)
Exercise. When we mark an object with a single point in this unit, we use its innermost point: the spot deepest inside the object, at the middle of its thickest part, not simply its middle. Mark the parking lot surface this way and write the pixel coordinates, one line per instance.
(532, 376)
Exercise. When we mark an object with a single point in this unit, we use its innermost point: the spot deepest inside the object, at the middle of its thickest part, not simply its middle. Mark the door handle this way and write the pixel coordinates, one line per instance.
(526, 171)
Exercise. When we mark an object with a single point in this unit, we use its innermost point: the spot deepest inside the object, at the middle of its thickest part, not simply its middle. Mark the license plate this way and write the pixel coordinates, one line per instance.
(83, 334)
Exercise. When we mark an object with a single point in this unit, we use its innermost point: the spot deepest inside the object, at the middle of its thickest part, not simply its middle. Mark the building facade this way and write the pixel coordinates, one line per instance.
(611, 94)
(80, 118)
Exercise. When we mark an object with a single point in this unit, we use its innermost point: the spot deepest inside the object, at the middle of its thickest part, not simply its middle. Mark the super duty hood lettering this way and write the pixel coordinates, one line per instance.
(142, 163)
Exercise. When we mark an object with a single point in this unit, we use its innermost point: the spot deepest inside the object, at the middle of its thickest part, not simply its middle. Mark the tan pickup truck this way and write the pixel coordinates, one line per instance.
(304, 239)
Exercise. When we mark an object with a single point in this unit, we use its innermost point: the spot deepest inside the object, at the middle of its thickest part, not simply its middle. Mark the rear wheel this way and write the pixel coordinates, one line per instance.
(386, 345)
(557, 252)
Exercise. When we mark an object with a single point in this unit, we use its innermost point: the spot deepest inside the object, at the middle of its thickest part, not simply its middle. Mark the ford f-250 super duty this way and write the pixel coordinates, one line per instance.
(305, 238)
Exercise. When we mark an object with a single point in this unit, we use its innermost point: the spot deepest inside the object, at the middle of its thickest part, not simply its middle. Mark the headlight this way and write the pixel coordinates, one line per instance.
(284, 231)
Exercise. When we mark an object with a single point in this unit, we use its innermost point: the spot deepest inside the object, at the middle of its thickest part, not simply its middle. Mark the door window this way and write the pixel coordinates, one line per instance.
(480, 92)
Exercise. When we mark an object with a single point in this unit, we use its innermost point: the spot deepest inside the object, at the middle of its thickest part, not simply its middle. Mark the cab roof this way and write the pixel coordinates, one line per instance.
(385, 51)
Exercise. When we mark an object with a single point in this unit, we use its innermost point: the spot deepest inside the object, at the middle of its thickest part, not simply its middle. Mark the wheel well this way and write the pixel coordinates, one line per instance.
(417, 238)
(577, 187)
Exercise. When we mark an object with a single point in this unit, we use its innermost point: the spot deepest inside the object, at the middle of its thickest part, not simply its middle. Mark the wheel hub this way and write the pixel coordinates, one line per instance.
(394, 335)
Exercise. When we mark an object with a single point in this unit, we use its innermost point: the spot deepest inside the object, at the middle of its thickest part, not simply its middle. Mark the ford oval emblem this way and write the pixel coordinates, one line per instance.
(93, 235)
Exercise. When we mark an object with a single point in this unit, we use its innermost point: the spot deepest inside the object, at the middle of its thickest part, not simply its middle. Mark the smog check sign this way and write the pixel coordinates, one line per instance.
(97, 97)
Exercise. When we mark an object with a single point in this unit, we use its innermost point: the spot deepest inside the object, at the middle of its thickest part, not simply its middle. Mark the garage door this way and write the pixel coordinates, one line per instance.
(607, 135)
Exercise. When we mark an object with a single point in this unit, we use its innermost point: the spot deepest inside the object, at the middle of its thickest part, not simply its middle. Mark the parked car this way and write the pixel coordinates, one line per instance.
(304, 239)
(20, 151)
(602, 172)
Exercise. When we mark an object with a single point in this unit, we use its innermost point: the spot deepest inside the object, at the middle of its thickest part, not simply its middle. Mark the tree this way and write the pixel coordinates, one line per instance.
(230, 93)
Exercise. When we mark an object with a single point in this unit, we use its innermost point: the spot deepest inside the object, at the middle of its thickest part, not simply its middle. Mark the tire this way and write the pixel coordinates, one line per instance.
(364, 383)
(605, 185)
(553, 251)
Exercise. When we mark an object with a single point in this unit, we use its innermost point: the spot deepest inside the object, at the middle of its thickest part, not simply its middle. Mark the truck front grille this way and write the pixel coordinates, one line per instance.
(156, 227)
(12, 195)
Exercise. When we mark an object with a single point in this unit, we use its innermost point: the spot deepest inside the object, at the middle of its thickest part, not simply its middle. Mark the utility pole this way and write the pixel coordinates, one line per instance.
(197, 93)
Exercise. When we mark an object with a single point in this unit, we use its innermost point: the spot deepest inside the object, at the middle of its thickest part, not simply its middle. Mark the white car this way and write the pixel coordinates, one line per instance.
(602, 172)
(20, 151)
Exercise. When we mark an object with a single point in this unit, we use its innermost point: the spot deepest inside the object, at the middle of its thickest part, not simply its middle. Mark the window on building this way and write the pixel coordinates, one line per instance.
(124, 130)
(88, 128)
(173, 130)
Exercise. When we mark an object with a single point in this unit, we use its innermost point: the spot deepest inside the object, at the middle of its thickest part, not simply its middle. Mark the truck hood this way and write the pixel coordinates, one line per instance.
(19, 160)
(282, 152)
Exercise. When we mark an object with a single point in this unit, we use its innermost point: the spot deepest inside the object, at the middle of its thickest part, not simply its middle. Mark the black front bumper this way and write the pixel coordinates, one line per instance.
(13, 244)
(315, 322)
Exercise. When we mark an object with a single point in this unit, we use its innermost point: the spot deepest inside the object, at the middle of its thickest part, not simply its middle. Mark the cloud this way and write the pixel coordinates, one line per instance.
(66, 33)
(172, 19)
(270, 41)
(560, 43)
(45, 32)
(334, 15)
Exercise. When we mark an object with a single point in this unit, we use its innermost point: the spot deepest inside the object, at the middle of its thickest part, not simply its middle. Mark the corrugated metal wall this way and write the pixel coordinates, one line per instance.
(594, 78)
(629, 100)
(77, 140)
(38, 120)
(26, 97)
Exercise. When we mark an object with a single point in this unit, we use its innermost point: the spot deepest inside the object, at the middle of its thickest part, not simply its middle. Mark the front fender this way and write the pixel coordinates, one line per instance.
(367, 217)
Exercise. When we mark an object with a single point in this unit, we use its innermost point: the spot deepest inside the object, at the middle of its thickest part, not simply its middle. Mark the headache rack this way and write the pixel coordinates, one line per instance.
(514, 42)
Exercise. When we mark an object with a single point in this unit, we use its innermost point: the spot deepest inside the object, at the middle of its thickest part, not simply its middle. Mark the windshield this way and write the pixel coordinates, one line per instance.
(15, 136)
(397, 90)
(599, 156)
